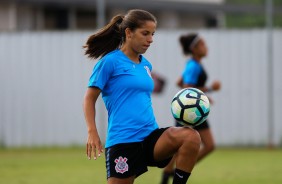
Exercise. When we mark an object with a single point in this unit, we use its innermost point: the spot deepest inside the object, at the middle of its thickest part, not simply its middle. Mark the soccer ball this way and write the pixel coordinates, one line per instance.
(190, 107)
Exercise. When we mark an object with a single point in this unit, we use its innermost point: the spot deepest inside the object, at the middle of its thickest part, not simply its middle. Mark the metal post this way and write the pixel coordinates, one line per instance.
(101, 13)
(269, 27)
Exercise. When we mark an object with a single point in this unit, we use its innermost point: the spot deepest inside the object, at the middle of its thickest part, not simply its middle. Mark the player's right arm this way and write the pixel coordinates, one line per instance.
(93, 141)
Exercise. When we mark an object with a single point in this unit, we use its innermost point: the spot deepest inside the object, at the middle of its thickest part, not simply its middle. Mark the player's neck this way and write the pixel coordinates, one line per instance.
(133, 56)
(197, 58)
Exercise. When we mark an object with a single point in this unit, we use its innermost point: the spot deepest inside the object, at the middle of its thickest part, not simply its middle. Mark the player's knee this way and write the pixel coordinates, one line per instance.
(192, 139)
(184, 137)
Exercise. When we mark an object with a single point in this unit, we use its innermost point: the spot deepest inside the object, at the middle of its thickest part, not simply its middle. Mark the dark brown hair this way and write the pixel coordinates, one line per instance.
(186, 41)
(112, 35)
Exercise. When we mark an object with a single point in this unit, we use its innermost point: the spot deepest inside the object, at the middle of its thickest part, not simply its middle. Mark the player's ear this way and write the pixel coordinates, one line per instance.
(194, 49)
(128, 33)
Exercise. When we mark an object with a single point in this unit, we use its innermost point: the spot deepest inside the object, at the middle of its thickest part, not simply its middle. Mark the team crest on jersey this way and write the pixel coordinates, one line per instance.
(121, 165)
(148, 71)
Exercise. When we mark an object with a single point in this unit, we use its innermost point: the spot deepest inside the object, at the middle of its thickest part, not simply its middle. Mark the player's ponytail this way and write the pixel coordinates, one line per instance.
(187, 42)
(105, 40)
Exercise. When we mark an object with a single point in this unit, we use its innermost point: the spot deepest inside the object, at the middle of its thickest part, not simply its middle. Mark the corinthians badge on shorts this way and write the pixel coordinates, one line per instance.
(121, 165)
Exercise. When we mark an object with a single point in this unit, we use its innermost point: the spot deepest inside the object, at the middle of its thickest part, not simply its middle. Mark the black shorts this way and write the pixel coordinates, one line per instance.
(131, 159)
(202, 126)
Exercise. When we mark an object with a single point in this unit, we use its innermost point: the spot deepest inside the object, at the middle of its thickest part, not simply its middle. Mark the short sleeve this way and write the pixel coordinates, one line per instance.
(101, 73)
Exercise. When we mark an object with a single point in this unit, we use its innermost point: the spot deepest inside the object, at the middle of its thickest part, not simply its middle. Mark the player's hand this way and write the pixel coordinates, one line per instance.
(93, 145)
(216, 85)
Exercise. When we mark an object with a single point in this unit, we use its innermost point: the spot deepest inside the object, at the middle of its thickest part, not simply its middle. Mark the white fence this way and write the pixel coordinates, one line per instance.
(43, 77)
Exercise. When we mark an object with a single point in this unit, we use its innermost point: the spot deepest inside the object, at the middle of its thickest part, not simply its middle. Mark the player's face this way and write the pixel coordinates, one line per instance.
(201, 48)
(141, 38)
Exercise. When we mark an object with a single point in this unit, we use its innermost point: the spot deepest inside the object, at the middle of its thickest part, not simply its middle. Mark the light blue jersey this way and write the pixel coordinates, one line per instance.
(126, 90)
(191, 72)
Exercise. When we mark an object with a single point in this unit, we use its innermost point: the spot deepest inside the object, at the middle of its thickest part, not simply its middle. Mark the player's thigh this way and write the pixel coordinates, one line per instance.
(206, 137)
(172, 139)
(113, 180)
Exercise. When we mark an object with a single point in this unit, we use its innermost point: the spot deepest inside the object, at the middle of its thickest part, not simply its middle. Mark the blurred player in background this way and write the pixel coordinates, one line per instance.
(194, 75)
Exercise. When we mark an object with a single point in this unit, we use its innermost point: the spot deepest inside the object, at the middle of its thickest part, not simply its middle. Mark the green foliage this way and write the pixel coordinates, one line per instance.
(250, 21)
(70, 166)
(245, 20)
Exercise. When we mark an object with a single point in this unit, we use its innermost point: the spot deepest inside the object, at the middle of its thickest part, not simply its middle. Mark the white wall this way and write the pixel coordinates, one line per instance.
(43, 77)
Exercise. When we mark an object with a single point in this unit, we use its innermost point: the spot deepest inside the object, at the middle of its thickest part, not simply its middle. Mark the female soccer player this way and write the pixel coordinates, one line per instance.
(194, 75)
(123, 76)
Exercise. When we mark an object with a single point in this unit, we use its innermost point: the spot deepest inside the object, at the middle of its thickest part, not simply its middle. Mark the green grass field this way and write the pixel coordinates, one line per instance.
(70, 166)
